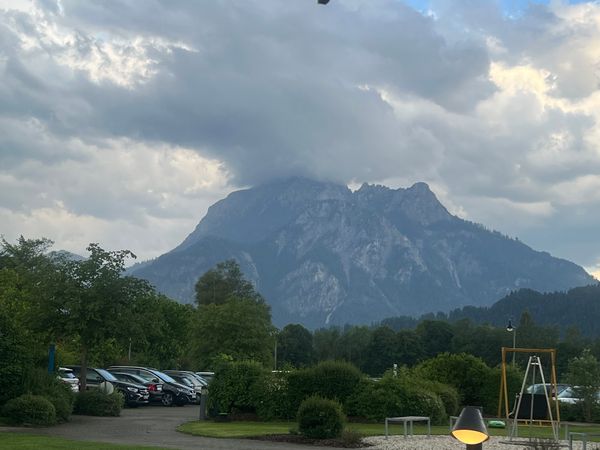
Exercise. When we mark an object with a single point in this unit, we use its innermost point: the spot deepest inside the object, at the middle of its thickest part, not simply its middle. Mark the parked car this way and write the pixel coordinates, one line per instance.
(539, 389)
(173, 393)
(189, 379)
(67, 376)
(571, 396)
(134, 394)
(155, 389)
(208, 376)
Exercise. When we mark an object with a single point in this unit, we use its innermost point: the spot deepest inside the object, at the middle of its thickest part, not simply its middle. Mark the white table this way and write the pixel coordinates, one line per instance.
(408, 424)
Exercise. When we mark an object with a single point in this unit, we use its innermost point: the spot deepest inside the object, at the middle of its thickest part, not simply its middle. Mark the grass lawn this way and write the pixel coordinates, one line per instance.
(14, 441)
(248, 429)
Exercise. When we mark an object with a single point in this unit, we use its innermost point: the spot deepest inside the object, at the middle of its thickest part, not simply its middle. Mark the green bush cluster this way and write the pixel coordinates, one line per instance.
(395, 396)
(335, 380)
(576, 412)
(232, 388)
(39, 382)
(97, 403)
(30, 410)
(270, 397)
(477, 383)
(320, 418)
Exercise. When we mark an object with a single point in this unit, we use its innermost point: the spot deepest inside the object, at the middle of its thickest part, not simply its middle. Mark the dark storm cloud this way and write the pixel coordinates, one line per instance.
(96, 98)
(264, 83)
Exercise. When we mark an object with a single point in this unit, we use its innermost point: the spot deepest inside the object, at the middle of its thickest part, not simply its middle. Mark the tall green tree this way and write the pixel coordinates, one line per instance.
(223, 282)
(294, 346)
(240, 328)
(95, 301)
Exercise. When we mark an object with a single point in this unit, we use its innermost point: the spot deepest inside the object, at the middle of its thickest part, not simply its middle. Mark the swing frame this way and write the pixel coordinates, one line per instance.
(504, 386)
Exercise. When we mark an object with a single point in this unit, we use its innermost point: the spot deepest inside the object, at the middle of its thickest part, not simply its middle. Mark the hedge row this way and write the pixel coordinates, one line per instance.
(247, 388)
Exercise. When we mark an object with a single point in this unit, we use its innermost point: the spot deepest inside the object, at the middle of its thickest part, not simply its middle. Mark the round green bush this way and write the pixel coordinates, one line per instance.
(96, 403)
(30, 410)
(320, 418)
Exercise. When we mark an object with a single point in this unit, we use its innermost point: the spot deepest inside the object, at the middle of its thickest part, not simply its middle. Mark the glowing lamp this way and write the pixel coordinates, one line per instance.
(470, 428)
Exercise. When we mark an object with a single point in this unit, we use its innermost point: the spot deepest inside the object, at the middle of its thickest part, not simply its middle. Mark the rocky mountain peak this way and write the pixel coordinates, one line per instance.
(321, 254)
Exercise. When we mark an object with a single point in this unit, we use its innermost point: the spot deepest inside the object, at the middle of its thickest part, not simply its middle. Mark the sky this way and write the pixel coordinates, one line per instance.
(122, 121)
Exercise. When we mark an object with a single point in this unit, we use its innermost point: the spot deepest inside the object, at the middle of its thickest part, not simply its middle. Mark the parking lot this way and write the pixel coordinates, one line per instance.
(151, 426)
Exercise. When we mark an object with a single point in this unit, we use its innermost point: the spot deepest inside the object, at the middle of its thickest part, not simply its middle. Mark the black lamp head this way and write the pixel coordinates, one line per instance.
(509, 327)
(470, 427)
(323, 2)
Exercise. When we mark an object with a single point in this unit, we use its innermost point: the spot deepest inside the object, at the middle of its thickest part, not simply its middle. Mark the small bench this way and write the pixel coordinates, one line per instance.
(408, 424)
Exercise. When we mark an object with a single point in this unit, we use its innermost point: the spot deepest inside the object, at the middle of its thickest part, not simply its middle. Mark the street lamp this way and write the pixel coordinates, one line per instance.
(323, 2)
(470, 428)
(512, 330)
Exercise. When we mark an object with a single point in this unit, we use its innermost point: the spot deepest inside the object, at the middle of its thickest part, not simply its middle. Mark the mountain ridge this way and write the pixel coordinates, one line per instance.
(323, 254)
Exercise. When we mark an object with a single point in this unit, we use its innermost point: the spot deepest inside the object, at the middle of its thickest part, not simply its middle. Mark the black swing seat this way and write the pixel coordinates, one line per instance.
(540, 407)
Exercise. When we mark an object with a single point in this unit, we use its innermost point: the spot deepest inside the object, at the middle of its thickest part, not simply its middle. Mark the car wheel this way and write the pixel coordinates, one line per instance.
(167, 399)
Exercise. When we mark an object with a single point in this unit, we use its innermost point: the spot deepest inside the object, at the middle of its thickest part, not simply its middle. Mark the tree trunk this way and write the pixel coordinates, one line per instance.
(83, 371)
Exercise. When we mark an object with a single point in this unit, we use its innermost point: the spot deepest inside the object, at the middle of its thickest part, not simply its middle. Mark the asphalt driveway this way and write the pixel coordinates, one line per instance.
(151, 426)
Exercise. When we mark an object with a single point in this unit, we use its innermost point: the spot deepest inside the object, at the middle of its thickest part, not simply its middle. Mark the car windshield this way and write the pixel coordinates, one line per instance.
(66, 374)
(107, 375)
(164, 376)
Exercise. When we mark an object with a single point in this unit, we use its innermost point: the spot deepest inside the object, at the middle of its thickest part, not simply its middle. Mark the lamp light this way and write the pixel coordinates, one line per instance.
(470, 428)
(509, 327)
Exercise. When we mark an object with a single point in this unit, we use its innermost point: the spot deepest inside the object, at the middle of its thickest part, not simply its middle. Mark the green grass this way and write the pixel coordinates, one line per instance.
(249, 429)
(15, 441)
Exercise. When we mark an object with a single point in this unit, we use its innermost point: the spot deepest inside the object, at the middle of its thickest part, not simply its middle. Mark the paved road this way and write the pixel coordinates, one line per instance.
(151, 426)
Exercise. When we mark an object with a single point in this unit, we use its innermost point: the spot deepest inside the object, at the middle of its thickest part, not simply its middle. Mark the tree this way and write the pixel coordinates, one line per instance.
(240, 328)
(224, 281)
(166, 343)
(382, 352)
(94, 300)
(436, 337)
(584, 374)
(294, 346)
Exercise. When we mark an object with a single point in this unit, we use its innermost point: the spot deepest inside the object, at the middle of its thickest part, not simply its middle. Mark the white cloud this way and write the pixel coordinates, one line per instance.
(129, 118)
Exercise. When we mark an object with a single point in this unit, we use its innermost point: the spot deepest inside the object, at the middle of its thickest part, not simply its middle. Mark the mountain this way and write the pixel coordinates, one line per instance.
(322, 254)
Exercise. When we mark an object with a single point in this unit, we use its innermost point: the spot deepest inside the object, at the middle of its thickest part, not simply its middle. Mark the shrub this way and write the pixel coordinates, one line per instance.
(39, 382)
(30, 410)
(473, 379)
(232, 387)
(269, 395)
(351, 438)
(394, 397)
(447, 394)
(97, 403)
(335, 380)
(320, 418)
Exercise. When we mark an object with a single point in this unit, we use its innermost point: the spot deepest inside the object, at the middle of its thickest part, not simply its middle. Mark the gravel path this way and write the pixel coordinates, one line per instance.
(447, 443)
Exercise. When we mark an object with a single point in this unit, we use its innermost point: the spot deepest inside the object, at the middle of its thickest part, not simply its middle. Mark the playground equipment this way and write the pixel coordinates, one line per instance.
(531, 408)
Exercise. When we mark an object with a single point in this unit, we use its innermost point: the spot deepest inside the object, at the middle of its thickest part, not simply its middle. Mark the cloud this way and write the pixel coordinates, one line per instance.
(134, 114)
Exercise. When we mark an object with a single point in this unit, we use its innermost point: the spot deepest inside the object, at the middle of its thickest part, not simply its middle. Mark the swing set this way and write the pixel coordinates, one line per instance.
(530, 407)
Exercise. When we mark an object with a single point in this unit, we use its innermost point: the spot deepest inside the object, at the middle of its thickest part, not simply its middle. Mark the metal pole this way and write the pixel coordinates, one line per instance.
(51, 357)
(514, 345)
(129, 354)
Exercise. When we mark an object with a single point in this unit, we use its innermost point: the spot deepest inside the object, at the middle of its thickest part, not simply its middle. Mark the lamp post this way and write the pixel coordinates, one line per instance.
(470, 428)
(512, 330)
